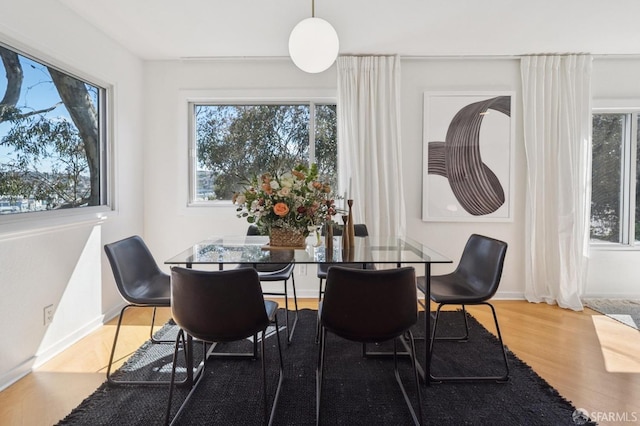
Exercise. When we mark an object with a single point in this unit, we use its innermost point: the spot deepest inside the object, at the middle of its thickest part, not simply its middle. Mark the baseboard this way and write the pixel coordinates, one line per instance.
(17, 373)
(40, 358)
(112, 313)
(508, 295)
(62, 344)
(634, 296)
(305, 294)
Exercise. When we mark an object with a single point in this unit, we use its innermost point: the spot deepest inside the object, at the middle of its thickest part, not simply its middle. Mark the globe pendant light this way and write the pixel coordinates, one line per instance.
(313, 44)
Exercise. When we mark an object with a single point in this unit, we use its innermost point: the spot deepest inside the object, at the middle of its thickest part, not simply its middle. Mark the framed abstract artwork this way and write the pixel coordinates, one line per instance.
(468, 156)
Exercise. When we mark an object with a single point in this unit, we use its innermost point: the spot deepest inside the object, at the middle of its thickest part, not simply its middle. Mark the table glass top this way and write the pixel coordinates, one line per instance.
(255, 249)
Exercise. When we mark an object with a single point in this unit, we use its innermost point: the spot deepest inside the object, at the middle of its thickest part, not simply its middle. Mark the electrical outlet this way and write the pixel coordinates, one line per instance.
(48, 314)
(303, 269)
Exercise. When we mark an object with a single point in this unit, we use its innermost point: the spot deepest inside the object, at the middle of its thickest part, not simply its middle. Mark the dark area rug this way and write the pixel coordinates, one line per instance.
(358, 391)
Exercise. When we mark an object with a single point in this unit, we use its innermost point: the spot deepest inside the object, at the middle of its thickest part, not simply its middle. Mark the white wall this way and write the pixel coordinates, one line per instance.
(61, 261)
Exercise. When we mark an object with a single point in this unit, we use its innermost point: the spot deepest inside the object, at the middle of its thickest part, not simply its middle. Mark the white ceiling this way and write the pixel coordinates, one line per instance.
(170, 29)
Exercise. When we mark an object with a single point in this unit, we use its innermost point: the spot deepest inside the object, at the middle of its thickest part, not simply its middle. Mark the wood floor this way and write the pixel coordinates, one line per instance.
(590, 359)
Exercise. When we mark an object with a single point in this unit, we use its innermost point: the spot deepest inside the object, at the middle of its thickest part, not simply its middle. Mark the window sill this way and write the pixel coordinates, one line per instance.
(28, 224)
(218, 203)
(613, 247)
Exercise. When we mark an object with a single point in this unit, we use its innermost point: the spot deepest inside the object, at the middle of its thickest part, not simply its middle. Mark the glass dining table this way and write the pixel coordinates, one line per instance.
(387, 252)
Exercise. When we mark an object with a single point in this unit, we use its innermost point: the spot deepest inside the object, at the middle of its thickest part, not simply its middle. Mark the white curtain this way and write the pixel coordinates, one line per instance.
(556, 92)
(369, 153)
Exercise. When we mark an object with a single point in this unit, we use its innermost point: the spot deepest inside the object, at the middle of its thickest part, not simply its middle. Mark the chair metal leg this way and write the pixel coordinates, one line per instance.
(417, 419)
(505, 377)
(110, 379)
(320, 371)
(466, 326)
(502, 378)
(113, 347)
(466, 323)
(320, 291)
(268, 416)
(255, 346)
(280, 376)
(236, 355)
(265, 409)
(291, 329)
(153, 320)
(416, 373)
(318, 319)
(194, 386)
(179, 337)
(279, 344)
(317, 340)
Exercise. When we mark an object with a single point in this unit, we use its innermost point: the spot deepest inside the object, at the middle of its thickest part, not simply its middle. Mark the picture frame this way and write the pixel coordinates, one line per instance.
(468, 156)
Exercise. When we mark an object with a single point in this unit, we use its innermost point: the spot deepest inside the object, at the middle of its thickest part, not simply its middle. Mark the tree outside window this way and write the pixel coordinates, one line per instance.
(50, 138)
(235, 142)
(615, 184)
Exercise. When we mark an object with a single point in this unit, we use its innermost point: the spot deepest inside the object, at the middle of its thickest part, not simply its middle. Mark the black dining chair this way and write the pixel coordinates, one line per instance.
(141, 283)
(360, 230)
(368, 306)
(474, 281)
(217, 307)
(275, 272)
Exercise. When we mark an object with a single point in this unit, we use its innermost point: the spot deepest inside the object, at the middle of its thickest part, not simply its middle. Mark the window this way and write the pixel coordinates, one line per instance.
(52, 138)
(235, 142)
(615, 199)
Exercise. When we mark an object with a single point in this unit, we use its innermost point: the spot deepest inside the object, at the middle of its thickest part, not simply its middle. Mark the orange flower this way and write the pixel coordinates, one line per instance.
(267, 188)
(281, 209)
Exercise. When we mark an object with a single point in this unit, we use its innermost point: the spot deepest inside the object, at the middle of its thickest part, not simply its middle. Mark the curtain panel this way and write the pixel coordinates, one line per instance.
(556, 92)
(369, 151)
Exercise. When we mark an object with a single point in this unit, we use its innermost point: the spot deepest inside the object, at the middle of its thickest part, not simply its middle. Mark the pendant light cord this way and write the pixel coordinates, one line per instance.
(313, 8)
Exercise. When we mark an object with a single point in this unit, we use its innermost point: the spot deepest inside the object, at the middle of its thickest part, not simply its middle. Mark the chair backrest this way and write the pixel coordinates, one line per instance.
(369, 305)
(481, 264)
(359, 229)
(253, 230)
(218, 306)
(134, 268)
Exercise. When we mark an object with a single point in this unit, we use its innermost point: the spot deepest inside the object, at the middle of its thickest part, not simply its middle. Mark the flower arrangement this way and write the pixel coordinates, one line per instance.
(296, 200)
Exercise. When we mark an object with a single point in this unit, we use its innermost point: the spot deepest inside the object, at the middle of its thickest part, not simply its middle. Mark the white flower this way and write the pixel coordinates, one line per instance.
(241, 199)
(287, 180)
(284, 192)
(274, 185)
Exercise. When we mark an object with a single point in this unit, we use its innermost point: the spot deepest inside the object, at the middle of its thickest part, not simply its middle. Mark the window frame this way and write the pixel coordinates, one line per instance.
(628, 168)
(192, 149)
(28, 223)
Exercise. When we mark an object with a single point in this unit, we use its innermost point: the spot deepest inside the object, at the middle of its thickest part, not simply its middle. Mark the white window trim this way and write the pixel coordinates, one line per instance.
(187, 98)
(32, 223)
(48, 221)
(629, 152)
